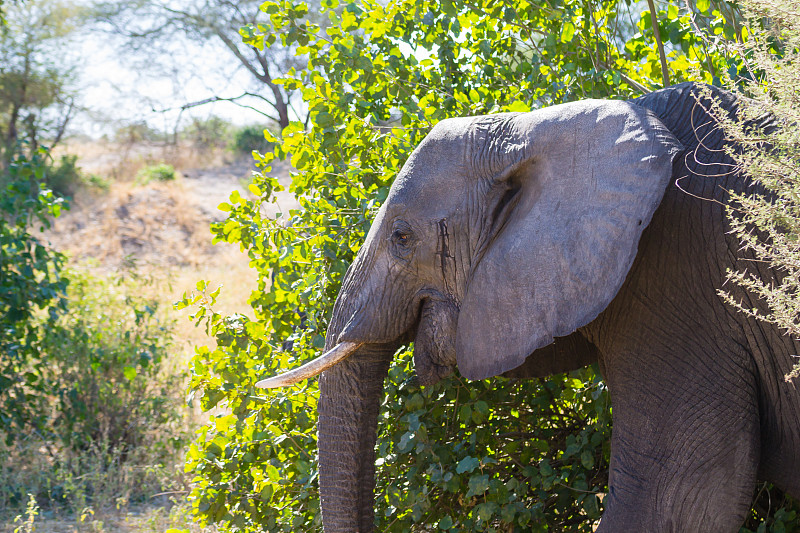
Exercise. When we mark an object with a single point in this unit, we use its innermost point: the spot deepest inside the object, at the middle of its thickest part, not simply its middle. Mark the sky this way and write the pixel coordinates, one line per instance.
(117, 90)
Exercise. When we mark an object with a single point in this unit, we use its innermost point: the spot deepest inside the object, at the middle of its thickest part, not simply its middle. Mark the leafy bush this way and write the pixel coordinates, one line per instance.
(207, 133)
(87, 393)
(161, 172)
(110, 423)
(494, 455)
(108, 366)
(32, 288)
(65, 176)
(249, 138)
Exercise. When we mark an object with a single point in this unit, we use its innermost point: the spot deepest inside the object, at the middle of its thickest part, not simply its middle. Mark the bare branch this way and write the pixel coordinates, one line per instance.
(659, 44)
(232, 100)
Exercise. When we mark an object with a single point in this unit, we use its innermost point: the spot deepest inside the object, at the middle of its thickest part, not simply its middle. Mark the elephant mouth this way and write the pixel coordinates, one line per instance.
(433, 332)
(434, 338)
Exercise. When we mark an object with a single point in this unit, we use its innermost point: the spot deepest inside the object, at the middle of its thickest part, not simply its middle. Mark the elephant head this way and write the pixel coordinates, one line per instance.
(500, 234)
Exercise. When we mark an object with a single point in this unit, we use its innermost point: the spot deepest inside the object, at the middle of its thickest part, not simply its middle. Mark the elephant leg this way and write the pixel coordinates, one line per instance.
(685, 445)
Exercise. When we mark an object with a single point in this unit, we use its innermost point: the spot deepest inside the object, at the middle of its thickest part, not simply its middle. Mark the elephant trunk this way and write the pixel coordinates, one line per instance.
(350, 396)
(351, 392)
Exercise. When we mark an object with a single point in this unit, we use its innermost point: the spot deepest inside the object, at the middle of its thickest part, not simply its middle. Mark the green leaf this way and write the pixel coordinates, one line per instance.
(129, 372)
(272, 473)
(587, 459)
(467, 464)
(478, 484)
(567, 32)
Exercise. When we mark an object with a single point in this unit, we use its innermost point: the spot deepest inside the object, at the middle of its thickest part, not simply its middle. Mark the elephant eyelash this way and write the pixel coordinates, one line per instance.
(401, 238)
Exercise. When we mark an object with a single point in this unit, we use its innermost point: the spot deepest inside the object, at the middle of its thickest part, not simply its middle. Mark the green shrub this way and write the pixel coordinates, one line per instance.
(111, 423)
(32, 289)
(89, 409)
(251, 138)
(108, 366)
(161, 172)
(95, 181)
(64, 177)
(207, 133)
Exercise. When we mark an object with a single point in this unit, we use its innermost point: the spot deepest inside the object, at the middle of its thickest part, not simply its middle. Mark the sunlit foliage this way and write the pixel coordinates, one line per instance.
(495, 455)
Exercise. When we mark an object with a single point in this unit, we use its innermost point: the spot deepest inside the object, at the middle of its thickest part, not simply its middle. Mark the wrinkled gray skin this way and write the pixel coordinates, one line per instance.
(503, 233)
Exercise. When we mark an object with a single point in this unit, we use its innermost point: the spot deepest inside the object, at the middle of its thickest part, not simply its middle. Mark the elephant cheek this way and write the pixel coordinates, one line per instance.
(434, 345)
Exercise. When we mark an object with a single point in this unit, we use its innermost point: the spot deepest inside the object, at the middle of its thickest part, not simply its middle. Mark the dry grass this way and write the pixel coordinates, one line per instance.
(91, 488)
(136, 519)
(160, 228)
(163, 227)
(153, 224)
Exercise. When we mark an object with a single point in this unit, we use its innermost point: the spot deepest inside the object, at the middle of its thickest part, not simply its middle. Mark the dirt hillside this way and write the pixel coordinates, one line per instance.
(162, 229)
(161, 223)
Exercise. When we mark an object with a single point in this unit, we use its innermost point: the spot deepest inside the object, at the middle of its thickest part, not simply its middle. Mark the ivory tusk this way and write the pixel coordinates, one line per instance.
(338, 353)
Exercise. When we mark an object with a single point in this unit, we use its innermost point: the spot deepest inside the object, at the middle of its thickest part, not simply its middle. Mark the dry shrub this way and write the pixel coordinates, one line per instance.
(99, 477)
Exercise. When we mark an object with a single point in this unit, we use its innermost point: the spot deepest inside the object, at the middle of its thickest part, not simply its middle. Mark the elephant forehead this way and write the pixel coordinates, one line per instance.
(441, 167)
(430, 183)
(430, 190)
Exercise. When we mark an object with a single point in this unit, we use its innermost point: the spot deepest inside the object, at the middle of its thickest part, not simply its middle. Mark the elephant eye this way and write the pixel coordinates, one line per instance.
(401, 238)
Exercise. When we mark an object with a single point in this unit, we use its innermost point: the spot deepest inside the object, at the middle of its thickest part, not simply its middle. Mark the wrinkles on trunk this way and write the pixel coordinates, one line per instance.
(350, 397)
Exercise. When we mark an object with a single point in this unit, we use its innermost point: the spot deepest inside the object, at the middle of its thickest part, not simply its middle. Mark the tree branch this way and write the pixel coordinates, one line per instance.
(232, 100)
(657, 32)
(63, 126)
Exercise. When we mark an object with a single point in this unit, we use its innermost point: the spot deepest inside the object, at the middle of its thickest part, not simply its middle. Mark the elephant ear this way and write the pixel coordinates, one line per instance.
(587, 178)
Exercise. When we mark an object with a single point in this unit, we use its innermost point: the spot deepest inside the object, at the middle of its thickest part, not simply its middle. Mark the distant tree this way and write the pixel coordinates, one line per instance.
(209, 132)
(37, 74)
(151, 28)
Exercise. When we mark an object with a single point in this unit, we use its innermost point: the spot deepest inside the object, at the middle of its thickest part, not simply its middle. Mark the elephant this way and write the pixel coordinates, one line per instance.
(525, 244)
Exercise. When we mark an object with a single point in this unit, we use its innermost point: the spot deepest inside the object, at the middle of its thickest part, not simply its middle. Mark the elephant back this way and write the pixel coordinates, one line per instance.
(703, 169)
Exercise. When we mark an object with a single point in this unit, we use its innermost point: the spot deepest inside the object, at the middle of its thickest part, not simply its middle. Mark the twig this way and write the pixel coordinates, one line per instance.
(213, 99)
(657, 32)
(170, 492)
